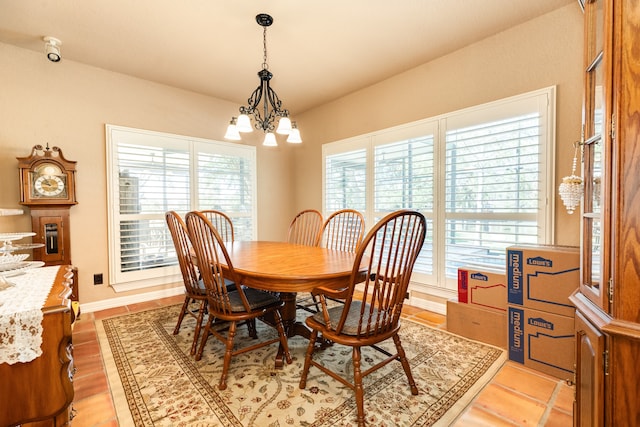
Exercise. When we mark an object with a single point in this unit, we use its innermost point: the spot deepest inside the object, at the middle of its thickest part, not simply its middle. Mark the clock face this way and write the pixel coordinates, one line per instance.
(48, 186)
(48, 181)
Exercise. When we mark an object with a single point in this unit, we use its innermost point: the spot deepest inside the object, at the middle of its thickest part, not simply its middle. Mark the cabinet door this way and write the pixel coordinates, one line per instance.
(596, 157)
(590, 347)
(52, 229)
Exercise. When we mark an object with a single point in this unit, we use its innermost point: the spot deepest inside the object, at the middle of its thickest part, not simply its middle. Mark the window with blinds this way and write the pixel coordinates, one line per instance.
(492, 190)
(151, 173)
(483, 178)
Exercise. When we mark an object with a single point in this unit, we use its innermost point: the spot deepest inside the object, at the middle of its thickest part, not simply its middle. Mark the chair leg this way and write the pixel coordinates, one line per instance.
(357, 380)
(196, 333)
(222, 385)
(405, 364)
(283, 337)
(205, 335)
(307, 358)
(185, 307)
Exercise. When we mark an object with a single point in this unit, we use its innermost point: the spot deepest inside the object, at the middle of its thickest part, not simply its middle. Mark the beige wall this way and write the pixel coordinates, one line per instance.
(67, 104)
(544, 52)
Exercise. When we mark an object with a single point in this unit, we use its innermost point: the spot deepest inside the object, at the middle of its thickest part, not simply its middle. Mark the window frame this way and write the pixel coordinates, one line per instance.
(437, 283)
(115, 135)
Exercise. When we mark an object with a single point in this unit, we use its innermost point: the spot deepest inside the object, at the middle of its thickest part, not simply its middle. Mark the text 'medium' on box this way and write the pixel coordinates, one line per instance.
(543, 277)
(486, 288)
(542, 341)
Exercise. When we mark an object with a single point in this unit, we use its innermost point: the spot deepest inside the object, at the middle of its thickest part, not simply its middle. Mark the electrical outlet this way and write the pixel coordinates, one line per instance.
(97, 279)
(406, 295)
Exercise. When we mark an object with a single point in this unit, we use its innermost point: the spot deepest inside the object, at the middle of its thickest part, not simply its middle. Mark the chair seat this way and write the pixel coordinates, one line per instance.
(257, 300)
(351, 324)
(201, 289)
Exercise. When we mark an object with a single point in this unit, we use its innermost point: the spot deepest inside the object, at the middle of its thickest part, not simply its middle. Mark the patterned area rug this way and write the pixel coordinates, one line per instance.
(155, 382)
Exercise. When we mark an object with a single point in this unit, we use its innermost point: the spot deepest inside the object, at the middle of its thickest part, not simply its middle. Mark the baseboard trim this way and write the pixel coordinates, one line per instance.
(131, 299)
(432, 306)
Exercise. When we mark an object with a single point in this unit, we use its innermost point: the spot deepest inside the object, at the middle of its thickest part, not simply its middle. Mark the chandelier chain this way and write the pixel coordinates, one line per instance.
(264, 44)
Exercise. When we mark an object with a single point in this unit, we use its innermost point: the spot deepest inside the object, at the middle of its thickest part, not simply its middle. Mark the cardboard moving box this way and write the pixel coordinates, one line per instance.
(477, 323)
(486, 288)
(543, 277)
(542, 341)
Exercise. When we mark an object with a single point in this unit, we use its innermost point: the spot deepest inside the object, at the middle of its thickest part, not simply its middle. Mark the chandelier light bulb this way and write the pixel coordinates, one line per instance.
(284, 126)
(294, 135)
(244, 123)
(232, 131)
(270, 140)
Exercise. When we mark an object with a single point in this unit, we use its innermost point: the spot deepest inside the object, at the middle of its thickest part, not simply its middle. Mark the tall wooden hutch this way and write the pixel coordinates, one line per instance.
(608, 300)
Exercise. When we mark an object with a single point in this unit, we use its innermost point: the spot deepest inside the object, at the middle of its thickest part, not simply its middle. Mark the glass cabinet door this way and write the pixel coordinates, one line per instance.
(594, 238)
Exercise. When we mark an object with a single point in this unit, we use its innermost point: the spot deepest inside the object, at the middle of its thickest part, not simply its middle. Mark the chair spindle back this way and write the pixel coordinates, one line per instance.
(305, 228)
(342, 231)
(211, 253)
(391, 248)
(221, 222)
(182, 244)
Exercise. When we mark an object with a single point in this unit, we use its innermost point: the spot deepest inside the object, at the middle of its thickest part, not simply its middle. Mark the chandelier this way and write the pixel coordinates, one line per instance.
(572, 186)
(264, 105)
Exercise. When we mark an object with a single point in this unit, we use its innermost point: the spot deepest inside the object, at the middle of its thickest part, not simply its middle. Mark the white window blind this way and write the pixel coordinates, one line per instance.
(151, 173)
(492, 189)
(403, 179)
(346, 181)
(226, 182)
(483, 178)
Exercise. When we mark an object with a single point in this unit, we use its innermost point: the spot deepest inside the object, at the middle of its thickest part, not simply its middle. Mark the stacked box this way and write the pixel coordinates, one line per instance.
(543, 277)
(540, 279)
(485, 288)
(477, 323)
(542, 341)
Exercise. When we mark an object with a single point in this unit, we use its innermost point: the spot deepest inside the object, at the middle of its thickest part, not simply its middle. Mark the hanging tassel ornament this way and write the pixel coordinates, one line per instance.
(572, 186)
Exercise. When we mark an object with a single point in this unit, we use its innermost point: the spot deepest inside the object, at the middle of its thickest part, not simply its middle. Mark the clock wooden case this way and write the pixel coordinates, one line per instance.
(47, 186)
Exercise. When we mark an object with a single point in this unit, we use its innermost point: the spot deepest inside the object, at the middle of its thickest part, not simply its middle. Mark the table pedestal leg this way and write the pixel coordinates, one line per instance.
(293, 327)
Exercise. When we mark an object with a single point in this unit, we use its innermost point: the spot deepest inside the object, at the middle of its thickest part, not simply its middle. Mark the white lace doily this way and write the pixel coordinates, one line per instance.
(21, 314)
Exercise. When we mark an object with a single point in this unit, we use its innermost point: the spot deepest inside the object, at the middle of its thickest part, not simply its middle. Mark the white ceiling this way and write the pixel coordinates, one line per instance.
(317, 50)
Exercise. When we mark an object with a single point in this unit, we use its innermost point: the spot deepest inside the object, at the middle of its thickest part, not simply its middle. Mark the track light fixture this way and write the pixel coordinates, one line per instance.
(52, 48)
(264, 115)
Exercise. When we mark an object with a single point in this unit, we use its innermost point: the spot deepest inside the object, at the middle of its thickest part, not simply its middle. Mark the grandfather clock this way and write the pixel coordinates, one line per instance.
(47, 186)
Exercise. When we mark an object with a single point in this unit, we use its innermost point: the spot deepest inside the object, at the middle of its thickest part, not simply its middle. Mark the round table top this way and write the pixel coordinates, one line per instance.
(286, 267)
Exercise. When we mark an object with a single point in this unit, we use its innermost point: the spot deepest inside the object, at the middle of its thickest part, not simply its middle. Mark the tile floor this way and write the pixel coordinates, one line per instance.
(516, 396)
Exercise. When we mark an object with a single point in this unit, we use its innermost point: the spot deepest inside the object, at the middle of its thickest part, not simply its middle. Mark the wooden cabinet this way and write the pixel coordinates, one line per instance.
(40, 392)
(608, 300)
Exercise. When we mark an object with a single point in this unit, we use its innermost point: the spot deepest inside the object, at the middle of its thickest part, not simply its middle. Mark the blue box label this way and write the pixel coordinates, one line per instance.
(515, 281)
(539, 322)
(516, 335)
(480, 276)
(540, 262)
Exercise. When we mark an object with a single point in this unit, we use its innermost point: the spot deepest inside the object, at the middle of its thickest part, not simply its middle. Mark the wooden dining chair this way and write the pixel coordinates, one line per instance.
(239, 305)
(193, 286)
(343, 231)
(224, 226)
(221, 222)
(389, 252)
(305, 228)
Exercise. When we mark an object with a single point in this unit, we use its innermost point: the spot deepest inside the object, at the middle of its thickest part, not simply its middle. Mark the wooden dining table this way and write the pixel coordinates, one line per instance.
(288, 269)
